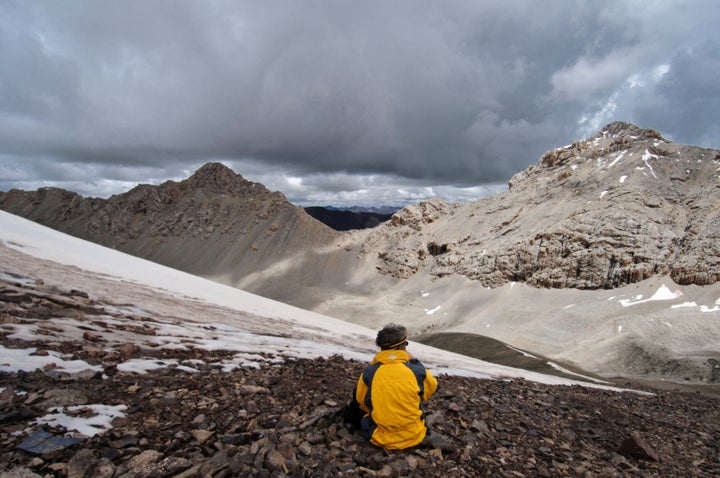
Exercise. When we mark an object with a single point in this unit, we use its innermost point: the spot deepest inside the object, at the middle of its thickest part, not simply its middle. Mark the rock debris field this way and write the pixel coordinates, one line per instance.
(285, 420)
(194, 417)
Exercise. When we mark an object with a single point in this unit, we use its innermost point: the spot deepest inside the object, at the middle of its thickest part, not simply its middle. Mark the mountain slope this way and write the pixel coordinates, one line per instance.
(215, 223)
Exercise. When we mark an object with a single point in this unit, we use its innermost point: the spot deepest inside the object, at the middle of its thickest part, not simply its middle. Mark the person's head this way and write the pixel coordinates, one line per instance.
(392, 337)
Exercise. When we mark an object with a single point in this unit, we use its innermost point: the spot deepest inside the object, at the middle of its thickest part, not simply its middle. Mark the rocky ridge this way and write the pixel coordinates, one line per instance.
(199, 225)
(614, 209)
(285, 419)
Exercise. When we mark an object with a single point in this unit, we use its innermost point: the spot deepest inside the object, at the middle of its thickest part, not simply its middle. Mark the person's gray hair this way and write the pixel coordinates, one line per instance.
(391, 336)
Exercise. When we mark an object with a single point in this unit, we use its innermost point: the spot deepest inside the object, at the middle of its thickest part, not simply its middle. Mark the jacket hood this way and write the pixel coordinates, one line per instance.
(391, 356)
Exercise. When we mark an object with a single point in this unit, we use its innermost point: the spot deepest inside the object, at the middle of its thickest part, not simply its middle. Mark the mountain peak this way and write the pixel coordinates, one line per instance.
(218, 178)
(615, 136)
(623, 128)
(214, 168)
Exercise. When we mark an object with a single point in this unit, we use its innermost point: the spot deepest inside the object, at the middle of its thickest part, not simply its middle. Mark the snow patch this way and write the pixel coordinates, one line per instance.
(705, 308)
(702, 308)
(88, 420)
(142, 366)
(617, 158)
(683, 305)
(623, 178)
(27, 360)
(663, 293)
(646, 157)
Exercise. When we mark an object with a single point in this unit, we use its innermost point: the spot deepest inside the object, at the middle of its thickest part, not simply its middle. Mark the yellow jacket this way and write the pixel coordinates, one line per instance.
(390, 391)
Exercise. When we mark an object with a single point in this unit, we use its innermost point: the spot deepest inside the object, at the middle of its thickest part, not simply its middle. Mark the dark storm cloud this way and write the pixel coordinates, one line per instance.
(689, 95)
(332, 95)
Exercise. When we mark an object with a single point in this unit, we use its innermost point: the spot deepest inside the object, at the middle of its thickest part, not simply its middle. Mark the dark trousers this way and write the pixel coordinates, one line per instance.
(353, 413)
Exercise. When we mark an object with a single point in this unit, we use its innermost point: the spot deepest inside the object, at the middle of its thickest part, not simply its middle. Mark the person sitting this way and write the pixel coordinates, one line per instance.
(389, 394)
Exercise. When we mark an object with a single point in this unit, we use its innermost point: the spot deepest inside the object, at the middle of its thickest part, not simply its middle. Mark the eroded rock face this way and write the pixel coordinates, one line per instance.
(611, 210)
(425, 212)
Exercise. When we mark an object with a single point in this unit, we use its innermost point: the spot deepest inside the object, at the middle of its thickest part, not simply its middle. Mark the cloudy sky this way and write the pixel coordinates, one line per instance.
(339, 101)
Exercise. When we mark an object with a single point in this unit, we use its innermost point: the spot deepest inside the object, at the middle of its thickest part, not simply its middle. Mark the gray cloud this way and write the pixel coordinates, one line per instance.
(323, 98)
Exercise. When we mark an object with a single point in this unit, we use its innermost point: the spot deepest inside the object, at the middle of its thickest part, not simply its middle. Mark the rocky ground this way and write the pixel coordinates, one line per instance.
(285, 420)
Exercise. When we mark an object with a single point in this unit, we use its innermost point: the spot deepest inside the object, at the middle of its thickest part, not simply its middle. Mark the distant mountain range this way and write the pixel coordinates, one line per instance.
(385, 210)
(347, 219)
